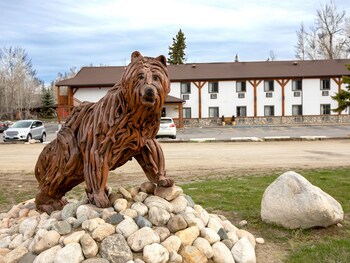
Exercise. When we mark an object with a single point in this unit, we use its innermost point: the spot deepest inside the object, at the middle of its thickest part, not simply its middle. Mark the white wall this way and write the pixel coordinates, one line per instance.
(227, 99)
(224, 100)
(275, 101)
(290, 100)
(247, 101)
(90, 94)
(172, 111)
(193, 100)
(312, 96)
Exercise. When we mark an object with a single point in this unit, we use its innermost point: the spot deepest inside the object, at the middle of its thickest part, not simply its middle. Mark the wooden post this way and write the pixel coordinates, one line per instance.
(69, 99)
(283, 83)
(58, 104)
(255, 83)
(180, 115)
(199, 85)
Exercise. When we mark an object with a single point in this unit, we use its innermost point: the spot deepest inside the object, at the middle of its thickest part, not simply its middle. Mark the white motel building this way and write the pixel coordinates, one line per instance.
(251, 93)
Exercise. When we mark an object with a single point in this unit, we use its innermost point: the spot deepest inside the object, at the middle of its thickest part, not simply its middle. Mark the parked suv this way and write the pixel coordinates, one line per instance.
(167, 128)
(25, 130)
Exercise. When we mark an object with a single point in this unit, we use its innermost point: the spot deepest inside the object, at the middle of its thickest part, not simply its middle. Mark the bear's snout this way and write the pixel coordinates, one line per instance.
(148, 94)
(149, 91)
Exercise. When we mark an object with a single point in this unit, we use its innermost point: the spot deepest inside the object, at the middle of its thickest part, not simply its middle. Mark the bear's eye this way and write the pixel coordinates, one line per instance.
(155, 77)
(141, 76)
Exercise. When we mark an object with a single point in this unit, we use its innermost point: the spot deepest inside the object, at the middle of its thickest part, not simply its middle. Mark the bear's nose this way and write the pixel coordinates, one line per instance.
(149, 91)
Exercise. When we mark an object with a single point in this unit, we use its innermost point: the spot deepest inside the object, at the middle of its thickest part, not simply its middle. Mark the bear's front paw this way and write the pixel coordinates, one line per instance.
(99, 199)
(165, 182)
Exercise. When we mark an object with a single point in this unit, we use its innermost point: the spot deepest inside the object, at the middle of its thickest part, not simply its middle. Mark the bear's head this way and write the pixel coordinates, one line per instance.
(146, 82)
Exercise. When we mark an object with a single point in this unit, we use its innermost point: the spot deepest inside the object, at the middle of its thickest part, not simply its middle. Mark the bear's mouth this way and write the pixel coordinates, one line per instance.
(148, 100)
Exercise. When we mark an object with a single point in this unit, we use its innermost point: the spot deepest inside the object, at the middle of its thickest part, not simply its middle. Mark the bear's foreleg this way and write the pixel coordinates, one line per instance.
(151, 159)
(96, 180)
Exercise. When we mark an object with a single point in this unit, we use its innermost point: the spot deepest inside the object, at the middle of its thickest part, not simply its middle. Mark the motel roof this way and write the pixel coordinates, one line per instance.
(108, 76)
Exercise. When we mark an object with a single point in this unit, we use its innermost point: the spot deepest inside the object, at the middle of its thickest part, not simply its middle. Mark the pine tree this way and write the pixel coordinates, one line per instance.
(48, 100)
(177, 50)
(343, 96)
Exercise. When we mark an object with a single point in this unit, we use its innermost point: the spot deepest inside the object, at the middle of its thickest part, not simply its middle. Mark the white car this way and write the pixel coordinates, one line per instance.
(167, 128)
(25, 130)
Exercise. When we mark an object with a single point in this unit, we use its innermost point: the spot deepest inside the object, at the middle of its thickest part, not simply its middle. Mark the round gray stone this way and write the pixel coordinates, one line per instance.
(115, 249)
(142, 222)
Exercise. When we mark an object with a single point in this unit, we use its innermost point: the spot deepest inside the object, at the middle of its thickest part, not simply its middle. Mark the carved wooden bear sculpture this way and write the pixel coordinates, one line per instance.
(99, 137)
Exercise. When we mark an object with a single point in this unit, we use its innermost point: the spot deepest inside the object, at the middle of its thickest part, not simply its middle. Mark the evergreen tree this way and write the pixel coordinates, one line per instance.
(177, 50)
(47, 100)
(48, 103)
(343, 96)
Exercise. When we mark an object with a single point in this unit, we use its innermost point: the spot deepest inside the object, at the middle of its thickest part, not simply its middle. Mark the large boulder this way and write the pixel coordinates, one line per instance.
(293, 202)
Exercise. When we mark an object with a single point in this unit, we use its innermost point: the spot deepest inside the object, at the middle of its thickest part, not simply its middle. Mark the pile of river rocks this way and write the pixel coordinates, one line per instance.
(146, 224)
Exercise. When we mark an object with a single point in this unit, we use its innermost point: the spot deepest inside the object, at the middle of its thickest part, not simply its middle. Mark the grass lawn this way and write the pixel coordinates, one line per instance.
(240, 198)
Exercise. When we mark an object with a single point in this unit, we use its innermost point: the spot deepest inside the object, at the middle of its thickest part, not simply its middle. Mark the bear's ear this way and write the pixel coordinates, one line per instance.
(135, 55)
(162, 59)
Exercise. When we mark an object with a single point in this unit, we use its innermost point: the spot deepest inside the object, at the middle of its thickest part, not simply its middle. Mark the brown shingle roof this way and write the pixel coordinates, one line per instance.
(108, 76)
(172, 99)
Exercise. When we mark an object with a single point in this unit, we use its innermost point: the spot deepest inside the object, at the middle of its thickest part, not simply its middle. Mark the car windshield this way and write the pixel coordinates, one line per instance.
(165, 121)
(21, 124)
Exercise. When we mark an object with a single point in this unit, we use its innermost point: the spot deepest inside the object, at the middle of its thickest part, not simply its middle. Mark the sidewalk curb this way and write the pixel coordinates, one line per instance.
(256, 139)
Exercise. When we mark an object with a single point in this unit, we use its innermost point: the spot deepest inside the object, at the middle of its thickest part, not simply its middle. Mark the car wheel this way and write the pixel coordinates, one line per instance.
(43, 137)
(29, 137)
(173, 137)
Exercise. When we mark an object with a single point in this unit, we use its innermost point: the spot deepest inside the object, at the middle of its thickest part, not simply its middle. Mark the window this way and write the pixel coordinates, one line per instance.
(269, 111)
(185, 88)
(213, 112)
(213, 87)
(297, 93)
(240, 86)
(297, 110)
(325, 84)
(297, 85)
(268, 85)
(325, 109)
(268, 94)
(37, 124)
(186, 112)
(185, 96)
(214, 96)
(241, 111)
(241, 95)
(325, 93)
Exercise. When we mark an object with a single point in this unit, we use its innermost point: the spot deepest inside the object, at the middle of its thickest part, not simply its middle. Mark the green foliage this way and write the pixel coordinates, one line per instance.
(328, 251)
(47, 99)
(177, 50)
(48, 104)
(343, 96)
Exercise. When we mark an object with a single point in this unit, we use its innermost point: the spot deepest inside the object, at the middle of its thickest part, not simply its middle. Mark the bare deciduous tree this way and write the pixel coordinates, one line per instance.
(273, 55)
(18, 83)
(300, 47)
(327, 39)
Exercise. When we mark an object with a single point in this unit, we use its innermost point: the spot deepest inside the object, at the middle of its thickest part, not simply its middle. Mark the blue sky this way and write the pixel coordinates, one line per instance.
(61, 34)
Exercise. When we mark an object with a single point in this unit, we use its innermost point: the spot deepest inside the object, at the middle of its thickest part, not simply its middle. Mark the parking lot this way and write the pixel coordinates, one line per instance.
(245, 133)
(313, 151)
